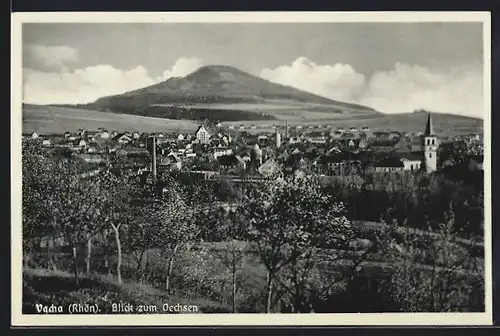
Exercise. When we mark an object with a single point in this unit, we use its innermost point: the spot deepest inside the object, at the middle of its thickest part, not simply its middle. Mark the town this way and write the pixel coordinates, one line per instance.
(216, 150)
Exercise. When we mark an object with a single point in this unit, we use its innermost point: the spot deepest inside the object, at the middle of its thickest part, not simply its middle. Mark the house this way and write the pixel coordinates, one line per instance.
(122, 138)
(362, 144)
(221, 151)
(383, 145)
(202, 135)
(316, 137)
(180, 137)
(46, 142)
(349, 135)
(67, 135)
(416, 144)
(136, 135)
(34, 135)
(393, 135)
(294, 140)
(231, 161)
(104, 134)
(353, 129)
(402, 144)
(380, 135)
(172, 161)
(337, 134)
(82, 143)
(412, 161)
(339, 162)
(365, 129)
(226, 139)
(389, 165)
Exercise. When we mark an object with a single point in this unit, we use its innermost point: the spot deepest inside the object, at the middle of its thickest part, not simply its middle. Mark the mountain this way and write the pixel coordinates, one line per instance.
(216, 90)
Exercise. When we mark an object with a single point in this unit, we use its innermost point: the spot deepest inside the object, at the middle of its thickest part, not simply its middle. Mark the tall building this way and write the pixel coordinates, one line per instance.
(278, 139)
(430, 146)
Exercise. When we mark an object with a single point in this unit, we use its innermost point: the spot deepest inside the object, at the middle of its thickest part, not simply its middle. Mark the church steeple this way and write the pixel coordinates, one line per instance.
(430, 146)
(429, 130)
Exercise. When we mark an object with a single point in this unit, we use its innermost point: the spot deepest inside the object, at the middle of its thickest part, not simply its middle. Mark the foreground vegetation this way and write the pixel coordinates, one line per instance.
(290, 245)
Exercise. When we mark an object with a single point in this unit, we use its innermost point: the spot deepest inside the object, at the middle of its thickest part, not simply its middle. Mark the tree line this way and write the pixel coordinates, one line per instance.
(297, 234)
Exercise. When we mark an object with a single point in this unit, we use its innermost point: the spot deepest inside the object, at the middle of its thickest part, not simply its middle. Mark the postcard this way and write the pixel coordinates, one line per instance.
(252, 168)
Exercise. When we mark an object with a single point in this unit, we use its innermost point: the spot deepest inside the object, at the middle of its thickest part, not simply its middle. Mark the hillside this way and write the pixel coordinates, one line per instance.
(222, 84)
(224, 93)
(58, 119)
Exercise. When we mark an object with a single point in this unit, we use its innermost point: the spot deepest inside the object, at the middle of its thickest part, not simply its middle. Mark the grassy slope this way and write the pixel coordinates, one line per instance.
(218, 83)
(51, 119)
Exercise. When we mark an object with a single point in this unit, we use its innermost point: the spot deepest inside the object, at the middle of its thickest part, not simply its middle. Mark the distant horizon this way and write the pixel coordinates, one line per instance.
(392, 67)
(225, 65)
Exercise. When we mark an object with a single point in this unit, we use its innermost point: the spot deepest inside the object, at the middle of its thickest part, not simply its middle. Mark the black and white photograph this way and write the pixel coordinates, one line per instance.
(245, 167)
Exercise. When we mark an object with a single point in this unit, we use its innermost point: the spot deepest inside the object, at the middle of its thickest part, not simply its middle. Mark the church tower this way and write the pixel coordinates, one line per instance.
(430, 146)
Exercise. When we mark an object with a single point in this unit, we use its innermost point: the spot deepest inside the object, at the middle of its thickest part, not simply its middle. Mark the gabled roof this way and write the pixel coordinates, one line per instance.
(120, 135)
(411, 156)
(314, 135)
(229, 160)
(384, 143)
(391, 161)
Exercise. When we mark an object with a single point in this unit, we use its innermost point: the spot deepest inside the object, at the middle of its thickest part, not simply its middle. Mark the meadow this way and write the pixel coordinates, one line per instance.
(53, 119)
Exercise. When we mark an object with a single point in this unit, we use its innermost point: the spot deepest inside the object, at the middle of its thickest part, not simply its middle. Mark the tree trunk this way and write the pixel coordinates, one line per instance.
(106, 265)
(119, 254)
(234, 288)
(48, 255)
(170, 268)
(53, 260)
(145, 274)
(89, 254)
(269, 292)
(75, 265)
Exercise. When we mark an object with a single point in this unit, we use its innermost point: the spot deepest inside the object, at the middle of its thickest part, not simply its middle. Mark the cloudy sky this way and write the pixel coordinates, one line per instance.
(392, 67)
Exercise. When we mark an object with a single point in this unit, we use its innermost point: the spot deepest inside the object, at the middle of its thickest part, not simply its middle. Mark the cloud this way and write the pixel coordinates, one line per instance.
(340, 81)
(85, 85)
(403, 89)
(48, 58)
(81, 85)
(182, 67)
(409, 87)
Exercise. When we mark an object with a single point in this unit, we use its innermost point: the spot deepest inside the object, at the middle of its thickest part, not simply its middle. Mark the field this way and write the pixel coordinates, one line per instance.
(52, 119)
(444, 124)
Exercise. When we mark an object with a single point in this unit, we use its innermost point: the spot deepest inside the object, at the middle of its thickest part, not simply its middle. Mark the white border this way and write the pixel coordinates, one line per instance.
(18, 319)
